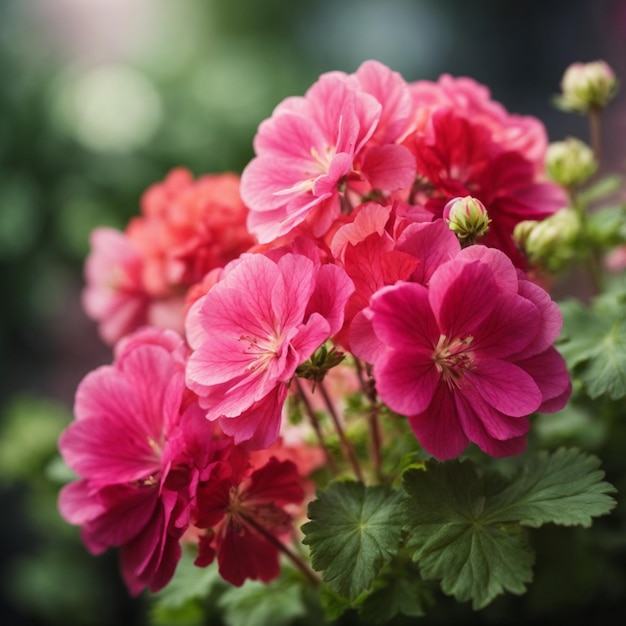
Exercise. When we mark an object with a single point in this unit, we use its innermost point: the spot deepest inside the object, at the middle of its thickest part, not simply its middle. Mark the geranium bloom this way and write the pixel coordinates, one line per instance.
(470, 357)
(342, 130)
(186, 229)
(524, 134)
(252, 330)
(466, 144)
(134, 445)
(245, 512)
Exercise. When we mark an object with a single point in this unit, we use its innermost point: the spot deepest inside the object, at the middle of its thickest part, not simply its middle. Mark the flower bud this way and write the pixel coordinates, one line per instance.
(570, 162)
(550, 243)
(587, 86)
(467, 218)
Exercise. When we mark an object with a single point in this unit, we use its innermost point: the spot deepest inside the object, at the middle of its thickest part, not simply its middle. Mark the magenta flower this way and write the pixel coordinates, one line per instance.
(134, 446)
(245, 513)
(470, 357)
(253, 329)
(313, 145)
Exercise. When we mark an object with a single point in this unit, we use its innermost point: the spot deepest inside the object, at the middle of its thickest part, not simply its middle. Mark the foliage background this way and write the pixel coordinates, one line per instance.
(100, 98)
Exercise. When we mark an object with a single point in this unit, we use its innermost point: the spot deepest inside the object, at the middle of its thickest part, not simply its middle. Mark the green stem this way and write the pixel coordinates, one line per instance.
(348, 449)
(316, 427)
(595, 131)
(374, 423)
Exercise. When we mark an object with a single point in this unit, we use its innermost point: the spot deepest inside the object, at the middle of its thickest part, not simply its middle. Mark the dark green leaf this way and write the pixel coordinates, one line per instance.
(466, 528)
(565, 488)
(473, 560)
(353, 530)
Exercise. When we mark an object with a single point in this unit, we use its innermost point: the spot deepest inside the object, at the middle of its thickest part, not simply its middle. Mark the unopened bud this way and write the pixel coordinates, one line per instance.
(587, 86)
(570, 162)
(550, 242)
(467, 218)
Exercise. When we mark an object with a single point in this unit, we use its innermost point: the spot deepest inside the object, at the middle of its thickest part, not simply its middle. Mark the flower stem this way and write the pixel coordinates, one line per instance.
(290, 554)
(595, 131)
(316, 427)
(348, 449)
(374, 423)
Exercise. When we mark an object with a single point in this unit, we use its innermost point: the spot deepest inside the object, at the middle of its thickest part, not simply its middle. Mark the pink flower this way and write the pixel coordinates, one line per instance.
(518, 133)
(114, 296)
(457, 156)
(134, 446)
(252, 330)
(140, 276)
(470, 357)
(313, 146)
(245, 513)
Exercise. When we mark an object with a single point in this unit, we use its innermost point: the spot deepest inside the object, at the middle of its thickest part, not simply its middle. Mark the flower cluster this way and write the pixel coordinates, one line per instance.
(368, 245)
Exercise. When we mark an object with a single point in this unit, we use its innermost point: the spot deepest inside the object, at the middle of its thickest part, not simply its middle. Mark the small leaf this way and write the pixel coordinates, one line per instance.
(603, 188)
(189, 583)
(594, 345)
(399, 592)
(353, 530)
(259, 604)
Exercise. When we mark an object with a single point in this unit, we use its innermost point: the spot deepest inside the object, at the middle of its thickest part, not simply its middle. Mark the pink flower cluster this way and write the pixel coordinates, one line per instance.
(217, 309)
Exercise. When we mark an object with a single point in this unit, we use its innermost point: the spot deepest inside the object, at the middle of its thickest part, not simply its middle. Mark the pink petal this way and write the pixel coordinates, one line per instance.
(432, 243)
(406, 381)
(259, 426)
(438, 429)
(504, 386)
(333, 287)
(462, 295)
(402, 318)
(388, 167)
(511, 326)
(549, 372)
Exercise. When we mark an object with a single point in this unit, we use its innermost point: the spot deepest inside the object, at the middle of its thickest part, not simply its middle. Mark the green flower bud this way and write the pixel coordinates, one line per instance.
(570, 162)
(467, 218)
(550, 243)
(587, 86)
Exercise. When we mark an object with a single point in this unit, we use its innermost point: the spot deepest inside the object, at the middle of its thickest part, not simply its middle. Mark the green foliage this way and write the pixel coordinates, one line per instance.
(257, 604)
(353, 530)
(29, 431)
(398, 591)
(593, 343)
(466, 527)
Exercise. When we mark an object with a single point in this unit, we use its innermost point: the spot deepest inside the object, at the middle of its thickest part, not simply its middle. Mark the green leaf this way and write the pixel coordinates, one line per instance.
(473, 560)
(259, 604)
(399, 592)
(594, 345)
(466, 528)
(189, 598)
(565, 488)
(353, 530)
(603, 188)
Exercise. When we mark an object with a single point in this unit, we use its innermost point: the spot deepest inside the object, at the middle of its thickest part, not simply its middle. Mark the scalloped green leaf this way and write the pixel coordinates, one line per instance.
(466, 528)
(594, 345)
(353, 530)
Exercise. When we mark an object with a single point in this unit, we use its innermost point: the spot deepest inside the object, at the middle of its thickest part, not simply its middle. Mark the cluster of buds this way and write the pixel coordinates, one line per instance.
(550, 243)
(587, 86)
(467, 218)
(570, 162)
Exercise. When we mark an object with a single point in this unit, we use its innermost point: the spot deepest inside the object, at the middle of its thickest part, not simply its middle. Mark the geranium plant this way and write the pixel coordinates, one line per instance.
(328, 373)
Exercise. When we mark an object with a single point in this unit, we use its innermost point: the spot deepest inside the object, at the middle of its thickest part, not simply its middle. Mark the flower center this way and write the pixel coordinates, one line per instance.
(452, 357)
(261, 351)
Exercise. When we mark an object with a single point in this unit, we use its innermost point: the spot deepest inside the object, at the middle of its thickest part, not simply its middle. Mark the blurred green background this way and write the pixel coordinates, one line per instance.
(100, 98)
